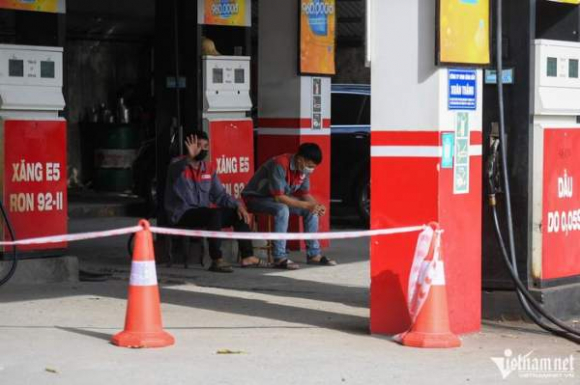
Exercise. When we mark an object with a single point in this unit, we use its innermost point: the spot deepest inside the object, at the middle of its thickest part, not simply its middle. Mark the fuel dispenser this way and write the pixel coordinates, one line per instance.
(556, 166)
(542, 106)
(224, 99)
(226, 102)
(33, 168)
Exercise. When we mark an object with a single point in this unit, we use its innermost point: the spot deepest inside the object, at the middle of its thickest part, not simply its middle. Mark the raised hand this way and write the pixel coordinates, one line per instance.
(193, 146)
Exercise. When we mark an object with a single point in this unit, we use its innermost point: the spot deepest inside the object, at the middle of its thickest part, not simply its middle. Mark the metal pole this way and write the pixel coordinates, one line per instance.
(177, 76)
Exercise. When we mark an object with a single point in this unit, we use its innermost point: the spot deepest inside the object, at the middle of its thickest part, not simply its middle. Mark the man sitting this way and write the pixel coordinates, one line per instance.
(281, 187)
(192, 185)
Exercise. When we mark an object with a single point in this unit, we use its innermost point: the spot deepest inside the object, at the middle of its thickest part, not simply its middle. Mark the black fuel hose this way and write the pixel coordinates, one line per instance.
(12, 270)
(525, 297)
(524, 294)
(492, 172)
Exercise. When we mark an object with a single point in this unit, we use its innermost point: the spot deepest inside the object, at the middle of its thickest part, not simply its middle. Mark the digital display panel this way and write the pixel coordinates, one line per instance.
(218, 75)
(16, 68)
(47, 69)
(239, 76)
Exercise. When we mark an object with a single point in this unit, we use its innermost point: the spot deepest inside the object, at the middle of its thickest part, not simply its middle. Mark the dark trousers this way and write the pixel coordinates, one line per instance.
(215, 219)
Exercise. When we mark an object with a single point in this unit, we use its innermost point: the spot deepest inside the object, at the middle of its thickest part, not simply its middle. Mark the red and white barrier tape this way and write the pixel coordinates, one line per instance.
(284, 236)
(426, 271)
(73, 237)
(423, 270)
(214, 234)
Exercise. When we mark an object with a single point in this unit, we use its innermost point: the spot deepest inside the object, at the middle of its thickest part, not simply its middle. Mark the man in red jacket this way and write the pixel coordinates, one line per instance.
(192, 186)
(281, 187)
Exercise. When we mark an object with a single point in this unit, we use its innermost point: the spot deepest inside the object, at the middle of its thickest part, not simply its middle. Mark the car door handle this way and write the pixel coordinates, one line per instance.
(360, 136)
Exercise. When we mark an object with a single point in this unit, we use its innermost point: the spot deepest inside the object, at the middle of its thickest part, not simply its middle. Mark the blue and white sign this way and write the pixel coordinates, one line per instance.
(462, 90)
(507, 76)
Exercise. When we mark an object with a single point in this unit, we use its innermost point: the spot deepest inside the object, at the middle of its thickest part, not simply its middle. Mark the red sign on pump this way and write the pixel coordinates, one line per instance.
(561, 204)
(34, 179)
(232, 152)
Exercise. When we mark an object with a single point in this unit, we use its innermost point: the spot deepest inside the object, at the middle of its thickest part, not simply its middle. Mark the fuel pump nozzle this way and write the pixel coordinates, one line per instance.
(493, 166)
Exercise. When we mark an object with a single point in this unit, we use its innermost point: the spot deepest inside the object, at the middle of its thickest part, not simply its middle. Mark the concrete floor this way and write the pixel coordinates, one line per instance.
(303, 327)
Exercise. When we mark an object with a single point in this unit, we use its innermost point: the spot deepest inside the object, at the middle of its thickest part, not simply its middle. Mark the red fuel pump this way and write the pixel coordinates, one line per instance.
(226, 68)
(33, 169)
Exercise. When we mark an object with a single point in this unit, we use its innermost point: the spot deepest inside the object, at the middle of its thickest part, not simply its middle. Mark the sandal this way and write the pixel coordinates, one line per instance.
(323, 261)
(260, 264)
(286, 264)
(221, 267)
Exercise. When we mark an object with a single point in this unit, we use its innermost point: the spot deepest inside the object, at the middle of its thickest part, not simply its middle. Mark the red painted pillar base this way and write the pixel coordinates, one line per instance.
(410, 188)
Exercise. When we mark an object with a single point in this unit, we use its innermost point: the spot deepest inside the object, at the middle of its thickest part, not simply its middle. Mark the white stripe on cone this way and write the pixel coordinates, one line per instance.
(439, 278)
(143, 273)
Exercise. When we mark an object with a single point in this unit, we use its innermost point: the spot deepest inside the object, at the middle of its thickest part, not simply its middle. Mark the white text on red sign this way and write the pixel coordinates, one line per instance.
(565, 186)
(564, 221)
(35, 172)
(233, 165)
(28, 202)
(237, 189)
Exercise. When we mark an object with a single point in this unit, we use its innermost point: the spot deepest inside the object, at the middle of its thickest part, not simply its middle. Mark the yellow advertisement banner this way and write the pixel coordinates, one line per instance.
(464, 32)
(566, 1)
(317, 37)
(53, 6)
(226, 12)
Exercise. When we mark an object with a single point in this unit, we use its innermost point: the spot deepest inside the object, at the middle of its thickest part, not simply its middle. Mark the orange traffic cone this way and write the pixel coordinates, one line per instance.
(431, 328)
(143, 327)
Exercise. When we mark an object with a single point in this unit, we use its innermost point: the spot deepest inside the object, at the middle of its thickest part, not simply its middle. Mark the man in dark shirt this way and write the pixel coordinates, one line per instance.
(192, 186)
(281, 187)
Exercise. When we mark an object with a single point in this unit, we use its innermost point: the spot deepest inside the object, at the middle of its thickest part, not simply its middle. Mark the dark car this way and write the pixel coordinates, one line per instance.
(350, 128)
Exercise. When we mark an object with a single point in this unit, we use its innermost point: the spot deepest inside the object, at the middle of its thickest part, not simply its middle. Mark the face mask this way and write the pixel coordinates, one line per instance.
(201, 156)
(308, 170)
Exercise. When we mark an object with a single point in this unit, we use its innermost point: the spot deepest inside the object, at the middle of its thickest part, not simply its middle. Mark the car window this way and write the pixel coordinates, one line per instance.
(346, 108)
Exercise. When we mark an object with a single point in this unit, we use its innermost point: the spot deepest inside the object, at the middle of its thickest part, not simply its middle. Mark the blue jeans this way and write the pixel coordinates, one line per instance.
(281, 213)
